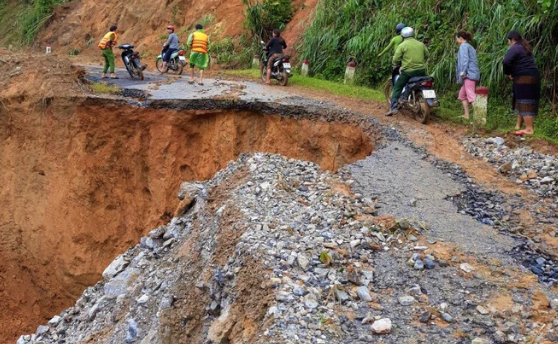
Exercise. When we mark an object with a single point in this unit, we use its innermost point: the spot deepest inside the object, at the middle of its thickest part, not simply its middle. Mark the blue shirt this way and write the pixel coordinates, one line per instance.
(467, 63)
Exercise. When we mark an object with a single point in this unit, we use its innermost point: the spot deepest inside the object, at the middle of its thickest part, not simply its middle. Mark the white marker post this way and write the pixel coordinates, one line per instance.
(304, 68)
(256, 62)
(48, 50)
(480, 107)
(350, 73)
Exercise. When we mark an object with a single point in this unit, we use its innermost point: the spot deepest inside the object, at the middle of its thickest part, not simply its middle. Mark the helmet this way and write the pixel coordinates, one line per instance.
(399, 27)
(407, 32)
(170, 27)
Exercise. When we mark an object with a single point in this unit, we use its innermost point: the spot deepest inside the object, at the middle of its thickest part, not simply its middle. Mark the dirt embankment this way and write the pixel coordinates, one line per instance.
(83, 179)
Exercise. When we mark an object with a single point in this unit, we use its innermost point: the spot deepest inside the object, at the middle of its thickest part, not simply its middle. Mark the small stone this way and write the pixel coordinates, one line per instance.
(429, 263)
(310, 301)
(554, 304)
(367, 319)
(158, 232)
(413, 202)
(466, 267)
(132, 331)
(54, 321)
(354, 243)
(382, 326)
(414, 290)
(448, 318)
(443, 263)
(143, 299)
(406, 300)
(419, 265)
(412, 238)
(425, 317)
(341, 295)
(480, 341)
(303, 262)
(364, 294)
(547, 180)
(42, 329)
(482, 310)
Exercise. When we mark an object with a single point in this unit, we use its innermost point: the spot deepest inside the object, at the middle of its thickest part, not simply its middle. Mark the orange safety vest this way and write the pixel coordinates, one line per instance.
(199, 42)
(106, 42)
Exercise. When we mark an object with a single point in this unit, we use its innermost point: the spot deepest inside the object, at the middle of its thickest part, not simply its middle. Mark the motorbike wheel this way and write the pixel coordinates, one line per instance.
(131, 70)
(423, 108)
(284, 78)
(159, 64)
(180, 67)
(388, 90)
(264, 73)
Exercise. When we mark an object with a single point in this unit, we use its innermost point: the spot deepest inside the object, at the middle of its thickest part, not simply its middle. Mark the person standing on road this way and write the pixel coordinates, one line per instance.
(467, 71)
(274, 50)
(412, 55)
(198, 41)
(170, 46)
(106, 44)
(519, 66)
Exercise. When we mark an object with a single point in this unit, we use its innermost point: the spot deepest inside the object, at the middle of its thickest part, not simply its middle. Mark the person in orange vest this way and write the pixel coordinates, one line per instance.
(106, 44)
(198, 41)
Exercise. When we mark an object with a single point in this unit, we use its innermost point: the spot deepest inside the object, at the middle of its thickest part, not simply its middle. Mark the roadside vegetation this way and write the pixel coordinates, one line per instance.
(361, 29)
(22, 21)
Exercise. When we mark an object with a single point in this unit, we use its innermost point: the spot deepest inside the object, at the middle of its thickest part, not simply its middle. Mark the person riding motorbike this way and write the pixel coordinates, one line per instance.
(412, 55)
(274, 49)
(170, 46)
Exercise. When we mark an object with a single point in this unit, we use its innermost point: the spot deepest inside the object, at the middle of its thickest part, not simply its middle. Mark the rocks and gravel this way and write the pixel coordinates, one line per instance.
(287, 249)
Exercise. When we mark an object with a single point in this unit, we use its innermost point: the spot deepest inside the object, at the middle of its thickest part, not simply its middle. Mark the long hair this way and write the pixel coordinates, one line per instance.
(516, 36)
(277, 33)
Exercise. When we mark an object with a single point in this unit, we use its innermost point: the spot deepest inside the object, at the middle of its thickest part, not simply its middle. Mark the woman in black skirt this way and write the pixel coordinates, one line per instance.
(520, 67)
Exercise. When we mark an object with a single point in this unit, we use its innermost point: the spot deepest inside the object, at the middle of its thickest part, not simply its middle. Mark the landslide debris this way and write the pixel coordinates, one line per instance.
(273, 250)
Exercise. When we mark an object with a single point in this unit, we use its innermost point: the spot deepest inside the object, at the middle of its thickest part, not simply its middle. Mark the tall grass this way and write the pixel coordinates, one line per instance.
(26, 19)
(362, 28)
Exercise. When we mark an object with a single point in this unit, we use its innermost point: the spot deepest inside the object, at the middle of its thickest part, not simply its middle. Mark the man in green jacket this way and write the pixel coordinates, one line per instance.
(412, 55)
(395, 41)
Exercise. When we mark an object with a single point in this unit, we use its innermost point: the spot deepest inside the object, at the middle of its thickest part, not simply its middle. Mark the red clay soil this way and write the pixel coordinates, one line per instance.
(82, 180)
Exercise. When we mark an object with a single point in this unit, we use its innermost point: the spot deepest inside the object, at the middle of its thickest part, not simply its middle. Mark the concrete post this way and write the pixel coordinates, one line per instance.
(480, 107)
(350, 73)
(304, 69)
(256, 62)
(212, 61)
(48, 50)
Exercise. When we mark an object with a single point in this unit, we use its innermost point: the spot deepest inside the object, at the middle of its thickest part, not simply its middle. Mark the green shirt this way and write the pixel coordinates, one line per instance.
(394, 43)
(412, 54)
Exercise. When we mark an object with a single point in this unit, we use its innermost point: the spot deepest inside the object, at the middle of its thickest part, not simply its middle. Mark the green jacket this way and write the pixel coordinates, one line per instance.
(394, 43)
(412, 54)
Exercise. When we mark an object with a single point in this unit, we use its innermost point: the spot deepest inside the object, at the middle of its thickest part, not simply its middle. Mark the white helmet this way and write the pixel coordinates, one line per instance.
(407, 32)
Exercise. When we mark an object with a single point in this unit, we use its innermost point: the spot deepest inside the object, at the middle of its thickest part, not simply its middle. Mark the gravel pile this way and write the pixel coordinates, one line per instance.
(525, 166)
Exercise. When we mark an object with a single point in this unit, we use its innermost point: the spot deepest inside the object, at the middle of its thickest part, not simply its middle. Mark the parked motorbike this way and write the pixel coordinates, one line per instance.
(417, 96)
(132, 61)
(176, 63)
(281, 69)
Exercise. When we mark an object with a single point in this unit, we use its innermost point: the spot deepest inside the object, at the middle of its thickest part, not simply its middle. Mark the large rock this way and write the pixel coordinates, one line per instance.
(382, 326)
(115, 267)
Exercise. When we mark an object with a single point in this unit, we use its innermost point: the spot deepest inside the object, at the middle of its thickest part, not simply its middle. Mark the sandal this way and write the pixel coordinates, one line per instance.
(521, 133)
(115, 77)
(200, 83)
(191, 82)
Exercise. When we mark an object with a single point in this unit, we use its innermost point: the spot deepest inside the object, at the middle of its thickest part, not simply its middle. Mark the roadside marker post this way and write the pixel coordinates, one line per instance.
(256, 62)
(350, 72)
(304, 68)
(480, 108)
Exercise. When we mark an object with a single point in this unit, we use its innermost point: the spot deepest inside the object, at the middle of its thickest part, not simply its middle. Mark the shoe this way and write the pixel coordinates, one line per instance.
(114, 77)
(200, 83)
(391, 112)
(191, 82)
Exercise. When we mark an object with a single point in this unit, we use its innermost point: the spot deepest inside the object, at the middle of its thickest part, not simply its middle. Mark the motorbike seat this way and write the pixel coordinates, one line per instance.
(420, 78)
(126, 46)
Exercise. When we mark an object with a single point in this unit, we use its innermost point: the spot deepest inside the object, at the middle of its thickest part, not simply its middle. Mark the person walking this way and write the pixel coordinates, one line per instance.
(412, 55)
(107, 42)
(274, 50)
(170, 46)
(467, 71)
(519, 65)
(198, 41)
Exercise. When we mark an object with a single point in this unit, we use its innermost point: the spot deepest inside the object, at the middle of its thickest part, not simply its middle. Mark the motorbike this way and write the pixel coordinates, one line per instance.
(417, 96)
(132, 61)
(281, 69)
(176, 63)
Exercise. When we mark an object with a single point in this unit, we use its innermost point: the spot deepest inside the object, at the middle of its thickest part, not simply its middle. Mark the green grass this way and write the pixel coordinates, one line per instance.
(100, 87)
(333, 87)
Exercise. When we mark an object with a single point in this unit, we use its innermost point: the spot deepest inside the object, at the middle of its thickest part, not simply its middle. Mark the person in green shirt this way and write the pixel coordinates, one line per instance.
(412, 55)
(395, 41)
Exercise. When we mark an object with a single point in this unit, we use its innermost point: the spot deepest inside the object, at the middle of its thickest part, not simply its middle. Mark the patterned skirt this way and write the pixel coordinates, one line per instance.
(526, 94)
